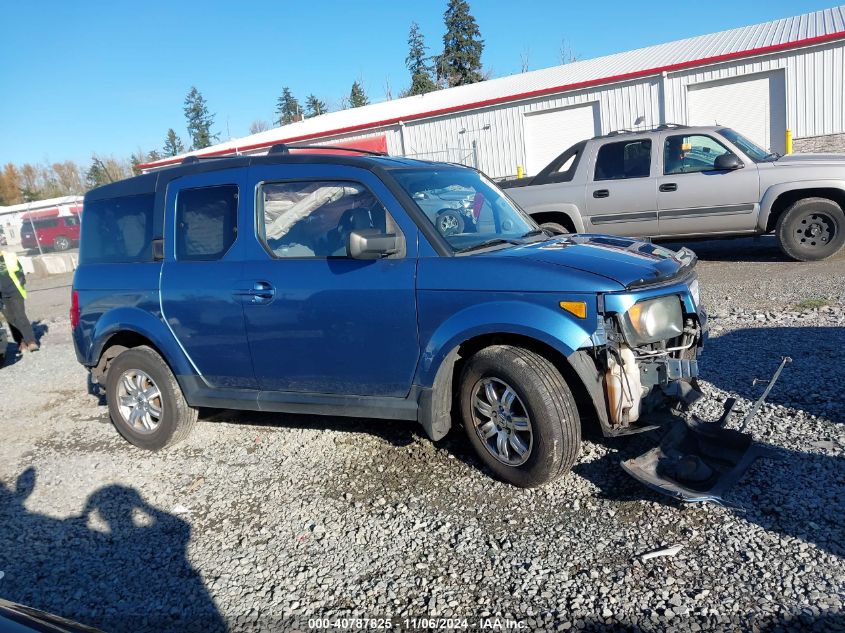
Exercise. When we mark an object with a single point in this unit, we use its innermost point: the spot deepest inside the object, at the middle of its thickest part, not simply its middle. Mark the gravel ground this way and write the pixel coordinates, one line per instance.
(258, 522)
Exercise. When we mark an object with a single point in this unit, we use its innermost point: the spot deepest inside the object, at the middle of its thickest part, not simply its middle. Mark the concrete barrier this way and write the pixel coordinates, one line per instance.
(49, 264)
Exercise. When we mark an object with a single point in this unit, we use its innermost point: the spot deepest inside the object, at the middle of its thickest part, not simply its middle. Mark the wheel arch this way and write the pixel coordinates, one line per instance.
(436, 407)
(568, 219)
(778, 199)
(126, 328)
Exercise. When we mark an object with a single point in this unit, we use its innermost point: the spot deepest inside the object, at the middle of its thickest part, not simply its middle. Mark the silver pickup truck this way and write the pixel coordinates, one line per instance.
(690, 182)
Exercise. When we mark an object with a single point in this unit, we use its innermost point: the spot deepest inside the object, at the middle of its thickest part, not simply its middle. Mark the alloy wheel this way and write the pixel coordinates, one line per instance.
(501, 421)
(139, 401)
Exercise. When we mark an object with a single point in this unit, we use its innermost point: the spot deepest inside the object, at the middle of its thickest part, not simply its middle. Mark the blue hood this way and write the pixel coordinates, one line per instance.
(627, 261)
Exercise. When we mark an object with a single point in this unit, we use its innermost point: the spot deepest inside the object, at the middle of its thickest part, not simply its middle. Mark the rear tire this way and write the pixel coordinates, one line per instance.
(540, 414)
(811, 229)
(136, 372)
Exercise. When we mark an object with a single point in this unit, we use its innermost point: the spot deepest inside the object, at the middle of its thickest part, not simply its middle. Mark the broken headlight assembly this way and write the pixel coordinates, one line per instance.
(652, 320)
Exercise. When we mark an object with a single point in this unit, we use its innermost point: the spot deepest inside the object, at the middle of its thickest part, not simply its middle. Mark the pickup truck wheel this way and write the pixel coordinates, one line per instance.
(145, 402)
(554, 227)
(811, 229)
(519, 415)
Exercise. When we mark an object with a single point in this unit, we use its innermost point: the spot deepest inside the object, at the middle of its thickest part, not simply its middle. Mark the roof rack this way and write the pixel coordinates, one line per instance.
(369, 152)
(643, 130)
(282, 149)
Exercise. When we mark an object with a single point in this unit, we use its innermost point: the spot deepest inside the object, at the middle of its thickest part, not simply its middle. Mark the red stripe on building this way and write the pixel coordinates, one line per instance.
(773, 48)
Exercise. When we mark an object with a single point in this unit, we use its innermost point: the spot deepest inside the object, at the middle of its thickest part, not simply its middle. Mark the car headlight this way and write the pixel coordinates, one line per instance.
(653, 320)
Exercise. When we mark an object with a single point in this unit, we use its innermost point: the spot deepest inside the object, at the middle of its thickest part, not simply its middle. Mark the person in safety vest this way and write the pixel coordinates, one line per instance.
(12, 296)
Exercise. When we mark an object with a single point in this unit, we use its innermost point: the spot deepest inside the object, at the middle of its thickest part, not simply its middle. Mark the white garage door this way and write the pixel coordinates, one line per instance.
(753, 106)
(549, 133)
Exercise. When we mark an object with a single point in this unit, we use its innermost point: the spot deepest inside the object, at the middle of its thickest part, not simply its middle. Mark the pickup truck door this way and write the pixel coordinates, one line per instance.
(320, 322)
(621, 195)
(201, 268)
(694, 198)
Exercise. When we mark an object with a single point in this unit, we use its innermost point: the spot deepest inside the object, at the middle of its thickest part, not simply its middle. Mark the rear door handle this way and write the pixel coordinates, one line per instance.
(601, 193)
(668, 186)
(261, 292)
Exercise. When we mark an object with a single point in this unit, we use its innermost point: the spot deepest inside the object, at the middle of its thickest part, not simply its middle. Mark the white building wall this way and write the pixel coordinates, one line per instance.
(815, 86)
(499, 130)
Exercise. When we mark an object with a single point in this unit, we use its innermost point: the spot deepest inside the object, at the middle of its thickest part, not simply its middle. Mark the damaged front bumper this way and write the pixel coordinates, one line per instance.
(637, 387)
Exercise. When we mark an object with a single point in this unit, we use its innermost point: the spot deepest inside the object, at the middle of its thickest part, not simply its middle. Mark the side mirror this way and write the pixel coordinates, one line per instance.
(728, 162)
(373, 244)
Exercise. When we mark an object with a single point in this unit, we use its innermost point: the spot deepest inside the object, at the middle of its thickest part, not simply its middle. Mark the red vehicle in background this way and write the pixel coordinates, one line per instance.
(58, 232)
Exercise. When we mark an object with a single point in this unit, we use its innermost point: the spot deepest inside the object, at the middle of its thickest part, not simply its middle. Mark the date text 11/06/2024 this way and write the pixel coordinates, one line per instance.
(417, 624)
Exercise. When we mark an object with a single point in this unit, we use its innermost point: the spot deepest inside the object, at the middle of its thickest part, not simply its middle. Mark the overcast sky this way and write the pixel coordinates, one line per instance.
(111, 77)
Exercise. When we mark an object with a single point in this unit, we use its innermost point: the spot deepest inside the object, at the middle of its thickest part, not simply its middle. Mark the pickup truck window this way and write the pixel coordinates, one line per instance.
(206, 222)
(751, 149)
(315, 218)
(625, 159)
(691, 153)
(465, 207)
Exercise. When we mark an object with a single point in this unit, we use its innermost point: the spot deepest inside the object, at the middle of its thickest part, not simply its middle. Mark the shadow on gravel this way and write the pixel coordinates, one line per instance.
(813, 382)
(797, 494)
(746, 249)
(12, 354)
(120, 565)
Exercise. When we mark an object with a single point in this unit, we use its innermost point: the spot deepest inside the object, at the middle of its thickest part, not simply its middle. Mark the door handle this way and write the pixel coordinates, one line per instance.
(261, 292)
(668, 186)
(601, 193)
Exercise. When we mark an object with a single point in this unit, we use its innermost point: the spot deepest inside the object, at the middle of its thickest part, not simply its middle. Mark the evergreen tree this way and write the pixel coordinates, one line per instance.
(287, 107)
(460, 62)
(417, 63)
(357, 97)
(314, 107)
(173, 145)
(199, 120)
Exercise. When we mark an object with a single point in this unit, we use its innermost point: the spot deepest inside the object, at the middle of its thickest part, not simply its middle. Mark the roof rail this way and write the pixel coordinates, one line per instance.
(278, 148)
(644, 130)
(369, 152)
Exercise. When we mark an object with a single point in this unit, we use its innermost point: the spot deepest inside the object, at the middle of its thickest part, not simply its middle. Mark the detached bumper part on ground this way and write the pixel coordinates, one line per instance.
(698, 460)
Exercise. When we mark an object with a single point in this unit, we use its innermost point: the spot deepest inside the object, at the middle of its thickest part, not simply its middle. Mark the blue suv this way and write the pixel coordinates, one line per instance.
(330, 284)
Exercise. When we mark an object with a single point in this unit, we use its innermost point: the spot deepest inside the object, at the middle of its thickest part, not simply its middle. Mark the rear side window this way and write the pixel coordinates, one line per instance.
(118, 230)
(626, 159)
(206, 222)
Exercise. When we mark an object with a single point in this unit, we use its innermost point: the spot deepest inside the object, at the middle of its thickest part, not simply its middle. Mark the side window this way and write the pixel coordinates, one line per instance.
(206, 222)
(71, 220)
(625, 159)
(118, 230)
(691, 153)
(315, 218)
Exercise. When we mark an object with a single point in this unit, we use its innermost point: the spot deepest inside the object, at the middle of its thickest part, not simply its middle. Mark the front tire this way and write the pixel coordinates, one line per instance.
(811, 229)
(61, 243)
(146, 404)
(519, 415)
(557, 229)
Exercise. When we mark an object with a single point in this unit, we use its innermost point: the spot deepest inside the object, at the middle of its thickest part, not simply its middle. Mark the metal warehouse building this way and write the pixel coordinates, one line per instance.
(762, 80)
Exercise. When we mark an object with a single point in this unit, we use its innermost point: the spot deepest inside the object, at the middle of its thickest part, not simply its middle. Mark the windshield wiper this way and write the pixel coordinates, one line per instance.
(485, 244)
(540, 231)
(772, 156)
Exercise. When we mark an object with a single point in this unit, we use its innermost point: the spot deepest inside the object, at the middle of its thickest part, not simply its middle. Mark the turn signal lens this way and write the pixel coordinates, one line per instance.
(578, 308)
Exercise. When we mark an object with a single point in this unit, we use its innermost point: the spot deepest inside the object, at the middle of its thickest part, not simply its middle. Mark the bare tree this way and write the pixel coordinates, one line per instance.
(525, 59)
(567, 54)
(259, 125)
